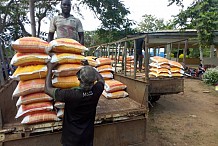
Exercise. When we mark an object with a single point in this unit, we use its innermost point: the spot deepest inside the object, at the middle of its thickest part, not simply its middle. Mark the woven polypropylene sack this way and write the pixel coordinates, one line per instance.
(59, 104)
(115, 95)
(91, 60)
(28, 87)
(155, 74)
(158, 59)
(65, 82)
(114, 85)
(175, 64)
(103, 61)
(160, 70)
(66, 45)
(105, 68)
(60, 113)
(67, 70)
(33, 98)
(107, 75)
(30, 45)
(25, 109)
(24, 59)
(29, 72)
(65, 58)
(46, 116)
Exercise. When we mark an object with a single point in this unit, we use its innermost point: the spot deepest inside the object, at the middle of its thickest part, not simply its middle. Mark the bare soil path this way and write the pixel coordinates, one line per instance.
(188, 119)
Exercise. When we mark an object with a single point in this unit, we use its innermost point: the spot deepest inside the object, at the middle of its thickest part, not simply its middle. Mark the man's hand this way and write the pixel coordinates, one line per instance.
(51, 65)
(85, 62)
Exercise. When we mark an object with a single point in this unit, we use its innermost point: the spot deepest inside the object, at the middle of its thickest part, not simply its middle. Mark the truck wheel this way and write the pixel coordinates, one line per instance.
(153, 99)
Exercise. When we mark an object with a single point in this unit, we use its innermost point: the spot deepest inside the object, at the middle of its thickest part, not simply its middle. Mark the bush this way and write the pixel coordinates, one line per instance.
(211, 76)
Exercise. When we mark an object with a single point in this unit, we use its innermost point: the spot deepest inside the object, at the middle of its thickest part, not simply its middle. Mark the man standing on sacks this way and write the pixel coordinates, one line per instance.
(66, 25)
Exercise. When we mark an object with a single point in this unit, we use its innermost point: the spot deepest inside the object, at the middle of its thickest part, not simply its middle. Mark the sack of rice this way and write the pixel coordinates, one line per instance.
(66, 45)
(30, 45)
(28, 87)
(160, 65)
(175, 64)
(158, 59)
(91, 60)
(60, 113)
(107, 75)
(59, 104)
(24, 59)
(176, 70)
(40, 106)
(161, 74)
(114, 95)
(46, 116)
(64, 58)
(176, 74)
(105, 68)
(114, 85)
(33, 98)
(103, 61)
(29, 72)
(160, 70)
(65, 82)
(67, 70)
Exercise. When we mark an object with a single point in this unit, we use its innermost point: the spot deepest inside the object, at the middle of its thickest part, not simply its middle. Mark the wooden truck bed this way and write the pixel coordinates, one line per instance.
(165, 86)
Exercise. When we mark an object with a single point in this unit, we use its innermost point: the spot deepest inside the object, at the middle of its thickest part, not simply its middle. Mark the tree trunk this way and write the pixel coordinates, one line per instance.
(32, 17)
(201, 55)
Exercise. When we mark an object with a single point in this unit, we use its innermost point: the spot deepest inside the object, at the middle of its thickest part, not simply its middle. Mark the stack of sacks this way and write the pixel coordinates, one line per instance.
(104, 67)
(34, 105)
(130, 63)
(176, 69)
(159, 67)
(68, 54)
(114, 89)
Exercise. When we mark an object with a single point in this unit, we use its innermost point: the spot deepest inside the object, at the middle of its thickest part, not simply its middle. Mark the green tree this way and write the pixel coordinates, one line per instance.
(202, 15)
(151, 23)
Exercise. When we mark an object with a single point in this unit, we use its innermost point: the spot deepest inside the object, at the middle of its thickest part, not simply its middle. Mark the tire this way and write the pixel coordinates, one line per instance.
(153, 99)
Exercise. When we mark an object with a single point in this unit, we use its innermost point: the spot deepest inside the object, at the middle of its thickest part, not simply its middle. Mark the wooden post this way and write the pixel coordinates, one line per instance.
(168, 47)
(185, 51)
(2, 80)
(135, 63)
(125, 56)
(108, 51)
(117, 45)
(177, 54)
(32, 17)
(212, 51)
(146, 59)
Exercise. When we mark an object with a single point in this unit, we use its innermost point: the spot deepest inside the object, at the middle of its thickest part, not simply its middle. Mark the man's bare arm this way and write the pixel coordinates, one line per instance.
(81, 37)
(49, 89)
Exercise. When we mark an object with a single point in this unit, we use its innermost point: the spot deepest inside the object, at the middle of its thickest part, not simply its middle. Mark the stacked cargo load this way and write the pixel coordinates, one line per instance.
(162, 67)
(104, 67)
(67, 53)
(34, 106)
(159, 67)
(176, 69)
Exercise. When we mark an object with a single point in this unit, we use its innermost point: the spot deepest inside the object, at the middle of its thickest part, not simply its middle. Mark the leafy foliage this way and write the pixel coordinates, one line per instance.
(202, 15)
(211, 76)
(151, 23)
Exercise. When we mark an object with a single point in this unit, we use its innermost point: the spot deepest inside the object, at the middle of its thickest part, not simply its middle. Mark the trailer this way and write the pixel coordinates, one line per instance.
(118, 121)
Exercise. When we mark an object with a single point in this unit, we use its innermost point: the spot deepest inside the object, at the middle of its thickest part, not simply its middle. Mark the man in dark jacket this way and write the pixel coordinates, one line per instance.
(80, 105)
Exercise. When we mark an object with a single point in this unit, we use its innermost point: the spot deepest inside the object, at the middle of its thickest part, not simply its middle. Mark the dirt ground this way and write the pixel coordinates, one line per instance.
(188, 119)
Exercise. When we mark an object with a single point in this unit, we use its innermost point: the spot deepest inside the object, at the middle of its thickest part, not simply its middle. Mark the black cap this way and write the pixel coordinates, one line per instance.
(87, 75)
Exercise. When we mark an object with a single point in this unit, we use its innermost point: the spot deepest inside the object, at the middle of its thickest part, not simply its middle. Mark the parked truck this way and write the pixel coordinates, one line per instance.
(118, 121)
